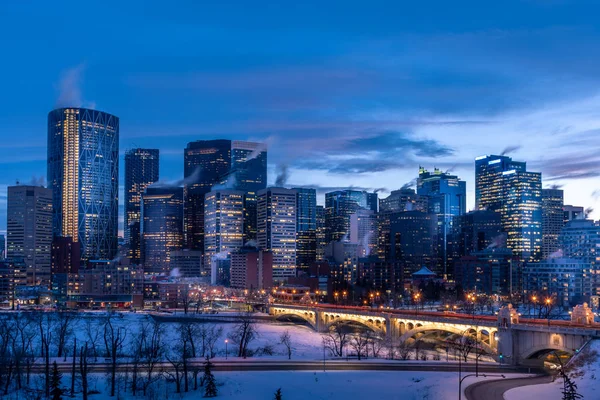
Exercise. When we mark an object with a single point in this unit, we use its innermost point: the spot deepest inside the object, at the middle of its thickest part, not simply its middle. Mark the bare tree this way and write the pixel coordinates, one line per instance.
(84, 370)
(45, 322)
(114, 337)
(243, 333)
(186, 298)
(336, 339)
(179, 358)
(359, 343)
(286, 340)
(151, 338)
(92, 333)
(63, 330)
(464, 345)
(403, 350)
(374, 343)
(213, 334)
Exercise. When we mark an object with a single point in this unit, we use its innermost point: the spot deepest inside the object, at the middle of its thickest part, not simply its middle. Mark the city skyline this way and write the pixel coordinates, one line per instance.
(430, 97)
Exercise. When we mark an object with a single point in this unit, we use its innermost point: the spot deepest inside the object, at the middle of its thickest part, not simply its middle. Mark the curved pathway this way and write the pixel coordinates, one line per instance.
(494, 390)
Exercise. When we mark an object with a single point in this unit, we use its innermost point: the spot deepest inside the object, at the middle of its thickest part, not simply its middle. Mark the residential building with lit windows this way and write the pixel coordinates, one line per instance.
(321, 233)
(141, 170)
(276, 229)
(161, 228)
(251, 269)
(446, 197)
(29, 231)
(552, 220)
(83, 174)
(505, 186)
(565, 280)
(476, 231)
(223, 231)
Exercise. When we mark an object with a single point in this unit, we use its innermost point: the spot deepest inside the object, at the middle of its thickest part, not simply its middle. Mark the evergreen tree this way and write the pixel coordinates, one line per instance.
(278, 394)
(211, 386)
(570, 389)
(55, 390)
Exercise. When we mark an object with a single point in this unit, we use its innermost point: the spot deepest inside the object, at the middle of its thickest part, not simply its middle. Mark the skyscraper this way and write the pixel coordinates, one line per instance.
(552, 220)
(223, 230)
(306, 227)
(476, 231)
(339, 205)
(236, 165)
(446, 196)
(573, 212)
(29, 230)
(249, 174)
(83, 174)
(161, 227)
(363, 230)
(276, 229)
(505, 186)
(321, 234)
(141, 170)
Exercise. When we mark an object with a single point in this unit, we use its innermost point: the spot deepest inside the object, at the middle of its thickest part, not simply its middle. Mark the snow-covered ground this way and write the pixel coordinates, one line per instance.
(586, 376)
(301, 385)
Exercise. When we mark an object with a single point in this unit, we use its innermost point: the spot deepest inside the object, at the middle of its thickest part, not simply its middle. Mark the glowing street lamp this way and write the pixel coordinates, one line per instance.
(226, 341)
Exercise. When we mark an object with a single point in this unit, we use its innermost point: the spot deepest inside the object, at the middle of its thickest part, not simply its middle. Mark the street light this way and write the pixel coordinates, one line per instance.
(460, 380)
(226, 341)
(548, 302)
(417, 303)
(534, 299)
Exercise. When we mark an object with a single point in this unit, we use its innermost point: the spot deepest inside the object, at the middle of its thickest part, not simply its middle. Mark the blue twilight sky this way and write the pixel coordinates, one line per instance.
(347, 93)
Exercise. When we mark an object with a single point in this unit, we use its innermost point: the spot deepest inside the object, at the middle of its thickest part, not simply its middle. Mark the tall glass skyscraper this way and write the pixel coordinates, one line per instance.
(235, 165)
(505, 186)
(223, 230)
(83, 173)
(141, 170)
(161, 227)
(276, 229)
(552, 220)
(306, 227)
(340, 205)
(447, 196)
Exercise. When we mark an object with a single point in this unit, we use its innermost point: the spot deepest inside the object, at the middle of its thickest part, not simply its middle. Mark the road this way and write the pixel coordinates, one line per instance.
(284, 365)
(494, 390)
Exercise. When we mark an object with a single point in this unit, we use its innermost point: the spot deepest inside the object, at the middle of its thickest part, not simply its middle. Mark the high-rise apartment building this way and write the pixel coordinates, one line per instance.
(276, 229)
(405, 199)
(447, 195)
(505, 186)
(235, 165)
(83, 174)
(29, 230)
(141, 170)
(306, 227)
(552, 220)
(223, 230)
(161, 227)
(251, 269)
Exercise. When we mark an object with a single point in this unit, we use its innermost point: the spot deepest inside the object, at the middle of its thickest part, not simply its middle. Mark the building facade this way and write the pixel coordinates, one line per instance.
(223, 230)
(363, 230)
(29, 231)
(552, 220)
(251, 269)
(83, 174)
(161, 228)
(276, 229)
(141, 170)
(564, 280)
(505, 186)
(446, 195)
(340, 205)
(306, 227)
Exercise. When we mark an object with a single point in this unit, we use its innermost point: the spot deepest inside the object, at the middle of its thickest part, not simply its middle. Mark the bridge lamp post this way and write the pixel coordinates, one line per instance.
(417, 296)
(345, 294)
(534, 299)
(226, 353)
(335, 295)
(548, 302)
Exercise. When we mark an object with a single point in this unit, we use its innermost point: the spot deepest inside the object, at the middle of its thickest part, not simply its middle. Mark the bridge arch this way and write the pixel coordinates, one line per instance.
(544, 349)
(487, 346)
(308, 316)
(374, 323)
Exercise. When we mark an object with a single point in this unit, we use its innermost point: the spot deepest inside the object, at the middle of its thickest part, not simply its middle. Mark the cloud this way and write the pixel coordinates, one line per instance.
(69, 87)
